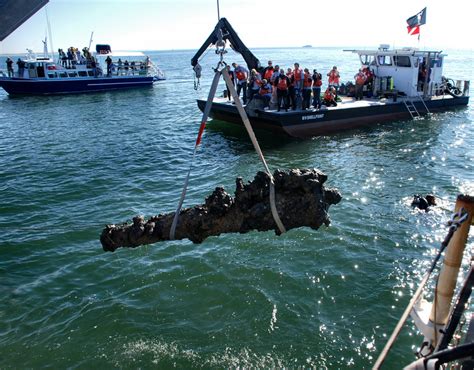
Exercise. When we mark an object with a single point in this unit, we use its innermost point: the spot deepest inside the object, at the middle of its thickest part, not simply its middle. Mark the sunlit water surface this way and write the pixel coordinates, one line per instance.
(71, 164)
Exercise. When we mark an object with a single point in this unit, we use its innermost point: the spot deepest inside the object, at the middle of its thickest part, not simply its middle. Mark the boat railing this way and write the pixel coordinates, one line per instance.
(156, 71)
(454, 88)
(423, 101)
(139, 68)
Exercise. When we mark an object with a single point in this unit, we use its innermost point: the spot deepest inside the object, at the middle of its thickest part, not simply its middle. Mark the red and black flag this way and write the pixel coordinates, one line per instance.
(415, 22)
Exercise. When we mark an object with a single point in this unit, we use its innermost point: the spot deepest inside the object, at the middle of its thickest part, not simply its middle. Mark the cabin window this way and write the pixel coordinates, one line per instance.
(436, 63)
(402, 60)
(72, 74)
(51, 75)
(63, 74)
(90, 73)
(367, 60)
(82, 73)
(384, 60)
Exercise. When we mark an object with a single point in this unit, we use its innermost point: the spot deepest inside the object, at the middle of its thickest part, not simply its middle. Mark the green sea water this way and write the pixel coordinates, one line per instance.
(321, 299)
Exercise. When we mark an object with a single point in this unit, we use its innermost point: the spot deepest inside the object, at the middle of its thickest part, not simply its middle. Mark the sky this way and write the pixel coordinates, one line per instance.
(185, 24)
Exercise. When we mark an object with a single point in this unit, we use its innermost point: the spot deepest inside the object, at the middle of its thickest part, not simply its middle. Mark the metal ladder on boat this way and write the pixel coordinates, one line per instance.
(423, 102)
(411, 109)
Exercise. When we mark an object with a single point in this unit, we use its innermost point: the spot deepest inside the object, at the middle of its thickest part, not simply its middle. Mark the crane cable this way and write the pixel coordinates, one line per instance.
(220, 50)
(253, 138)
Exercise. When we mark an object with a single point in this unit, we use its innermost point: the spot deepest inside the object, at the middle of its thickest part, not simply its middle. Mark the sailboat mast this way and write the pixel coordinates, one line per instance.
(49, 33)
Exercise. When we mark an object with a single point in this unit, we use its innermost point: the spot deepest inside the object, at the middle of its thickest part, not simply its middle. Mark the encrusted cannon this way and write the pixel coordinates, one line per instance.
(301, 200)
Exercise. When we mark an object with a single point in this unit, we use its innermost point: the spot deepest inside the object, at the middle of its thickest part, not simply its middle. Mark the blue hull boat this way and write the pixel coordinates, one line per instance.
(102, 71)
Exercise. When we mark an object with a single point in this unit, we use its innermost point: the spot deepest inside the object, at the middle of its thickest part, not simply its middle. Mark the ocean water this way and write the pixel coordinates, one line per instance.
(322, 299)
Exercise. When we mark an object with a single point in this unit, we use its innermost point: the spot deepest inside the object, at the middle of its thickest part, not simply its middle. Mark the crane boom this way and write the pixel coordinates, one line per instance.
(236, 44)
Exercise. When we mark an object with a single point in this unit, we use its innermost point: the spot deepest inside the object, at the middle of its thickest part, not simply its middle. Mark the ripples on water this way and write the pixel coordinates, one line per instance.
(70, 164)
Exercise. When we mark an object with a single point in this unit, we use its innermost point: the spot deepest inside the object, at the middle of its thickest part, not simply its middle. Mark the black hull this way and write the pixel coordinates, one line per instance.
(309, 123)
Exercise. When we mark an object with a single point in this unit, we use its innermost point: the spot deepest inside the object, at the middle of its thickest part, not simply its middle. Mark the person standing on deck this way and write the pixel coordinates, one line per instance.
(21, 67)
(359, 84)
(291, 88)
(298, 76)
(317, 82)
(307, 82)
(232, 78)
(369, 78)
(108, 60)
(119, 67)
(333, 78)
(241, 73)
(125, 64)
(268, 71)
(282, 83)
(255, 81)
(9, 67)
(69, 57)
(276, 73)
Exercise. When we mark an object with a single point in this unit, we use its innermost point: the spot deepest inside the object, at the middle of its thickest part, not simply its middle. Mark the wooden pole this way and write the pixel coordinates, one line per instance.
(452, 263)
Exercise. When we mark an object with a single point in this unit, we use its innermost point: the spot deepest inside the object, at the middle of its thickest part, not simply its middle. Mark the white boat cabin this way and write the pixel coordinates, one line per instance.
(408, 71)
(124, 64)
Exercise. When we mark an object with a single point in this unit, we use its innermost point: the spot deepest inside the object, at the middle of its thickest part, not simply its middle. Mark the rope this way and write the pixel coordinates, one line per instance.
(248, 126)
(457, 219)
(205, 116)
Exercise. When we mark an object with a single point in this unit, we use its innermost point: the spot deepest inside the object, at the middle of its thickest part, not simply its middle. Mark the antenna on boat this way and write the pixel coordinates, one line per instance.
(218, 12)
(45, 47)
(90, 40)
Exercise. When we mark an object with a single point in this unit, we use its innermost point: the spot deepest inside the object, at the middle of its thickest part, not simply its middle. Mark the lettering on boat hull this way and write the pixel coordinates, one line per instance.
(312, 116)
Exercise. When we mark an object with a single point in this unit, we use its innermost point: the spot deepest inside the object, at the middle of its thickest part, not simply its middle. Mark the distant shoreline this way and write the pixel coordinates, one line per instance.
(266, 48)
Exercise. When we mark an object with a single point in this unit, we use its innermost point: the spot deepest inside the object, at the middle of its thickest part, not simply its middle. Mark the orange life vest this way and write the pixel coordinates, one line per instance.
(317, 82)
(307, 80)
(268, 74)
(264, 91)
(328, 95)
(297, 74)
(240, 75)
(333, 77)
(282, 83)
(360, 79)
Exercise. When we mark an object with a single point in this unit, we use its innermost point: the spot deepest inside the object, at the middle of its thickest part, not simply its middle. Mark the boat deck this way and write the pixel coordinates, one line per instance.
(345, 103)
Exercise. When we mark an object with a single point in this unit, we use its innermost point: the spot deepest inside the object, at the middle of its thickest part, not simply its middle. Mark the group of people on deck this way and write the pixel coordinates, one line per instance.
(288, 88)
(121, 67)
(21, 64)
(73, 57)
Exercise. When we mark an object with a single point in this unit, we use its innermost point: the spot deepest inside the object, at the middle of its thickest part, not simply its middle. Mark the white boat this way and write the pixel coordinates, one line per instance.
(80, 73)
